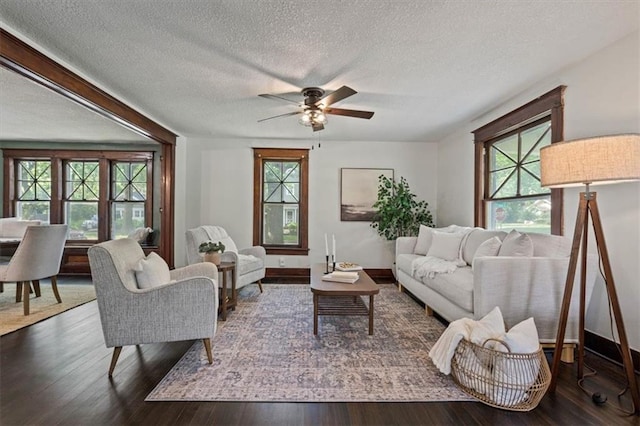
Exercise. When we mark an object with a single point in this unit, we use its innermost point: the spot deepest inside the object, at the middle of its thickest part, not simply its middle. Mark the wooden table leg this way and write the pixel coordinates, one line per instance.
(224, 296)
(315, 314)
(371, 315)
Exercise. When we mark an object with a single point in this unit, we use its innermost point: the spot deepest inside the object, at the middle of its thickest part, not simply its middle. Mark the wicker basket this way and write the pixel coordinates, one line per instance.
(501, 379)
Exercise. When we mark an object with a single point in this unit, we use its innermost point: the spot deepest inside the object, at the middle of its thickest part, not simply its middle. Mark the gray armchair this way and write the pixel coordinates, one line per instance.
(185, 308)
(250, 262)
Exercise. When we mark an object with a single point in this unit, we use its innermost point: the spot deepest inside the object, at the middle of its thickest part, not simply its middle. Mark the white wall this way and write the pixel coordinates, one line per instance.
(602, 97)
(220, 192)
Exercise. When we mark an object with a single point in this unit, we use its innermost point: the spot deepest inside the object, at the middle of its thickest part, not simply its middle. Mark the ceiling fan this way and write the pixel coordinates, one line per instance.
(317, 105)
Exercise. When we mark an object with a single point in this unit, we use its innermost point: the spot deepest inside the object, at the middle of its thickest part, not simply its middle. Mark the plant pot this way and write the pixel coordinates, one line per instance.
(212, 257)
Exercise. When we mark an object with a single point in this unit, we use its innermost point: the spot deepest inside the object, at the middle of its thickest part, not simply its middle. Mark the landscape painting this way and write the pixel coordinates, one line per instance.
(358, 193)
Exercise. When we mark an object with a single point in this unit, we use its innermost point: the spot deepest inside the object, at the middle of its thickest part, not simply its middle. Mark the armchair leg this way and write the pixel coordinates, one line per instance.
(36, 288)
(26, 287)
(260, 285)
(19, 292)
(114, 359)
(54, 286)
(207, 347)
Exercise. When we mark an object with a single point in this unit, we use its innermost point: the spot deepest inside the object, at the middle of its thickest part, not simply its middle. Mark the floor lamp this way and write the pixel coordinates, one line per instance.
(599, 160)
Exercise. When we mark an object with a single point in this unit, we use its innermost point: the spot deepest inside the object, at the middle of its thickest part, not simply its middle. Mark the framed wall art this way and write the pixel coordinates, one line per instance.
(358, 193)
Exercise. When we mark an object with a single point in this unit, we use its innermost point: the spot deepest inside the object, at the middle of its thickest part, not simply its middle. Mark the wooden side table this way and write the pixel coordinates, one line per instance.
(227, 301)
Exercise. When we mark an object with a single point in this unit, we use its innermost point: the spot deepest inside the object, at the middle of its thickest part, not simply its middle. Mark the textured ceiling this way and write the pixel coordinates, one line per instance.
(424, 67)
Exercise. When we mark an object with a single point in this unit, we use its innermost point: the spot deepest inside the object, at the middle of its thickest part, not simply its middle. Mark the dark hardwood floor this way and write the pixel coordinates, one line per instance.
(55, 372)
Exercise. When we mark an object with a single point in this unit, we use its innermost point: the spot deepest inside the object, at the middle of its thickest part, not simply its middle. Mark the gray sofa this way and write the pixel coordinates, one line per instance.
(522, 287)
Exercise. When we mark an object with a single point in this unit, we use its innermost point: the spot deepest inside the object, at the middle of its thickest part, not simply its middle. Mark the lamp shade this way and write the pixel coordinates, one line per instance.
(598, 160)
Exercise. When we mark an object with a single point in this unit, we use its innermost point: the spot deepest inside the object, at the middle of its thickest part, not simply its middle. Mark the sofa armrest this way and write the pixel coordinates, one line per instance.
(203, 269)
(405, 245)
(526, 287)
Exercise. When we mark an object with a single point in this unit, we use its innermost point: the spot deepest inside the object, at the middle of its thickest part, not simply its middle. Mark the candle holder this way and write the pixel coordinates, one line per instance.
(326, 265)
(333, 261)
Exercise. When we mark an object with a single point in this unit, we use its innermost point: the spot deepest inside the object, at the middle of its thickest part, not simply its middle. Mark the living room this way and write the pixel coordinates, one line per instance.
(214, 175)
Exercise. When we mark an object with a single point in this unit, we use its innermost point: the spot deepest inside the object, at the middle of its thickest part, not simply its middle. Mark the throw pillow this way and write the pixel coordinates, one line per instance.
(491, 326)
(491, 247)
(152, 271)
(522, 338)
(424, 240)
(516, 244)
(445, 246)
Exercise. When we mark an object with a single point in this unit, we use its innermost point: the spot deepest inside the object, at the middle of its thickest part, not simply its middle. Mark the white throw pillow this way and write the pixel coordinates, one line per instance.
(490, 247)
(152, 271)
(516, 244)
(522, 338)
(423, 243)
(445, 246)
(491, 326)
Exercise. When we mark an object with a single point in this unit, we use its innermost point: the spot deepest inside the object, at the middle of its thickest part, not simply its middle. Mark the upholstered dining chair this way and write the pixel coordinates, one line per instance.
(141, 301)
(250, 262)
(38, 256)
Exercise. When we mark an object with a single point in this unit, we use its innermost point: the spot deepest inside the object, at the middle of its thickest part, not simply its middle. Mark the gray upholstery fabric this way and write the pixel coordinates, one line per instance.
(38, 255)
(474, 239)
(248, 270)
(182, 310)
(456, 287)
(12, 227)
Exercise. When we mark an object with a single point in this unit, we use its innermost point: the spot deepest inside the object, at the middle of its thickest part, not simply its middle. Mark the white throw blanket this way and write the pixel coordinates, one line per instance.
(442, 352)
(429, 266)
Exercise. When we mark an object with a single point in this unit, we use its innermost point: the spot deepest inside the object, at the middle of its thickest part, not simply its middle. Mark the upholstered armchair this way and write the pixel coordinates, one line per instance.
(250, 262)
(141, 301)
(38, 256)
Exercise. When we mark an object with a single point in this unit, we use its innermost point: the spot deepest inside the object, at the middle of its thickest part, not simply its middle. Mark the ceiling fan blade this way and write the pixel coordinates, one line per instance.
(276, 97)
(338, 95)
(281, 115)
(317, 127)
(349, 112)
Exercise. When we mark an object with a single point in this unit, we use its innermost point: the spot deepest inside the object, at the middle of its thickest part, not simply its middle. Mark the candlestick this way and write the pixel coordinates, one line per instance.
(326, 269)
(333, 237)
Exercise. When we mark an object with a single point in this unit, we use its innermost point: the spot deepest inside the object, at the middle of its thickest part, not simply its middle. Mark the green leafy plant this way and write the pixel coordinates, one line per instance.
(211, 247)
(398, 214)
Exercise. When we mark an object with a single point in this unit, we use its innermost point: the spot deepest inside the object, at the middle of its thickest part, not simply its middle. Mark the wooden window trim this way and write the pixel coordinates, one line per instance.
(58, 158)
(550, 104)
(299, 154)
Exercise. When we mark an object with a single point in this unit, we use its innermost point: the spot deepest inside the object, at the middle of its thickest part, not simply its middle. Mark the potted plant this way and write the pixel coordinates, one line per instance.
(398, 214)
(211, 251)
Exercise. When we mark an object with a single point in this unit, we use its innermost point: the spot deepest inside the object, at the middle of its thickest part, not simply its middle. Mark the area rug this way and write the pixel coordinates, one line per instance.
(266, 351)
(12, 316)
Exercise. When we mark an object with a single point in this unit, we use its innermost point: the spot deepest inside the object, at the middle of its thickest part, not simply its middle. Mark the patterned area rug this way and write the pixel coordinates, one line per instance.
(40, 308)
(266, 351)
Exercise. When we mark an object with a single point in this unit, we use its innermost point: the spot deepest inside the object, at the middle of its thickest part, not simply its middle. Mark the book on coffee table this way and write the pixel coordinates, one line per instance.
(348, 266)
(341, 277)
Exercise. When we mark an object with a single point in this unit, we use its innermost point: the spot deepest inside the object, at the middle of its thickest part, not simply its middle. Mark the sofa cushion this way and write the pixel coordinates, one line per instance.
(516, 244)
(445, 245)
(545, 245)
(491, 247)
(404, 261)
(152, 271)
(474, 239)
(424, 240)
(456, 287)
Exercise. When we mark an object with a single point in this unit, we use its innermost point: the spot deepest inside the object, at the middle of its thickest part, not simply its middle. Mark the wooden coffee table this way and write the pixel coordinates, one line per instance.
(332, 298)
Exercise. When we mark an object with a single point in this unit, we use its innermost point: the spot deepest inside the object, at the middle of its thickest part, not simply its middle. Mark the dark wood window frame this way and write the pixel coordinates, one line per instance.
(550, 105)
(297, 154)
(58, 159)
(23, 59)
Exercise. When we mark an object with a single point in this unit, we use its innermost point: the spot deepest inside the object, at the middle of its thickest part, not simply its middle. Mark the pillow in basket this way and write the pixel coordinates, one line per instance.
(512, 377)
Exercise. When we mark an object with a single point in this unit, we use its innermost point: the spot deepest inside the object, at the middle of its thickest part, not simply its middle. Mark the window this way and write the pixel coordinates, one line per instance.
(508, 191)
(99, 194)
(280, 200)
(33, 187)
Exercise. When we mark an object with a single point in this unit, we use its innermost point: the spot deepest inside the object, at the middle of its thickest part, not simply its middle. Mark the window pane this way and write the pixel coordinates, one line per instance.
(82, 181)
(291, 192)
(497, 189)
(280, 224)
(129, 182)
(530, 215)
(291, 172)
(33, 210)
(125, 217)
(535, 138)
(34, 180)
(82, 218)
(273, 192)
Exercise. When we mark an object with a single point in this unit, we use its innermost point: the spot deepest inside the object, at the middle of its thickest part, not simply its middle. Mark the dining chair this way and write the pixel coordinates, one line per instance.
(38, 256)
